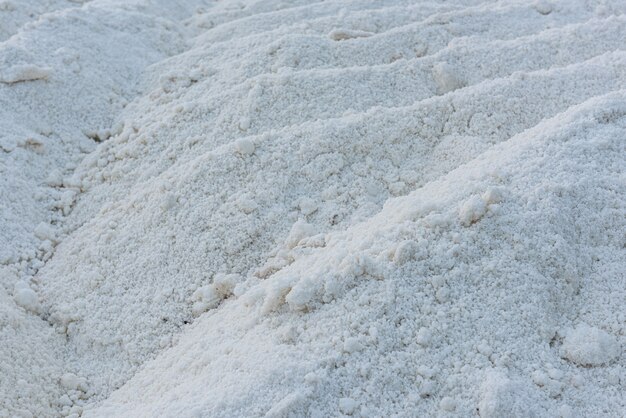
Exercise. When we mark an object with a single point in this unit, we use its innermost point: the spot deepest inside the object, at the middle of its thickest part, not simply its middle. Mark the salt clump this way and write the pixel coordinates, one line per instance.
(344, 34)
(590, 346)
(472, 210)
(72, 382)
(25, 297)
(446, 77)
(347, 405)
(208, 297)
(245, 146)
(501, 396)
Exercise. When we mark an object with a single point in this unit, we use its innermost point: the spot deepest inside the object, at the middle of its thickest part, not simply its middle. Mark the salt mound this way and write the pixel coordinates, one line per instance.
(265, 208)
(349, 321)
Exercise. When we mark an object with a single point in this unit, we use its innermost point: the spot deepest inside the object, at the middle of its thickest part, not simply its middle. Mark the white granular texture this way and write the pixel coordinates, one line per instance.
(290, 208)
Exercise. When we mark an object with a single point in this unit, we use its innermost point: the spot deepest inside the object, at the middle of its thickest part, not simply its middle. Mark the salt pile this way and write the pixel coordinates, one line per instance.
(359, 208)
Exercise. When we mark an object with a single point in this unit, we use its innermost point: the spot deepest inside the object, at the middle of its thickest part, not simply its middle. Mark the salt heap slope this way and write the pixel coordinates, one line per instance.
(57, 100)
(369, 208)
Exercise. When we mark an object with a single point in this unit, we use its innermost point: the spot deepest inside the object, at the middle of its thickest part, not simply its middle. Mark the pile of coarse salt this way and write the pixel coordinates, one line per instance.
(343, 208)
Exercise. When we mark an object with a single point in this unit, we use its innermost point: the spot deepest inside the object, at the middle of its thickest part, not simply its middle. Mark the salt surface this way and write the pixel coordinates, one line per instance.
(266, 208)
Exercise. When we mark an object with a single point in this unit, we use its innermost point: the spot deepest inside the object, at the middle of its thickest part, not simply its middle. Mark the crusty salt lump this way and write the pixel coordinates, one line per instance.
(20, 73)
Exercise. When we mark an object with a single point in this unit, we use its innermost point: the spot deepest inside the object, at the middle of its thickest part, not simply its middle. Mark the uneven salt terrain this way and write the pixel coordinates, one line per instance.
(285, 208)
